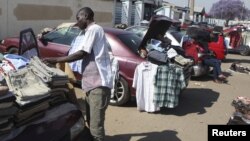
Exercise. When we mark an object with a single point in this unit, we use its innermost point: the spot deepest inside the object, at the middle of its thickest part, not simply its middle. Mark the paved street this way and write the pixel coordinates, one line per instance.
(203, 102)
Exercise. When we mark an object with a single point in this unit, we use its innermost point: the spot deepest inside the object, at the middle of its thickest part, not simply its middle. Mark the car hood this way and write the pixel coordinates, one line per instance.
(11, 39)
(158, 24)
(65, 25)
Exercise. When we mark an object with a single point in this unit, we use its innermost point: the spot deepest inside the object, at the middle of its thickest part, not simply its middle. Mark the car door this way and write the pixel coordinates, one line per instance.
(28, 44)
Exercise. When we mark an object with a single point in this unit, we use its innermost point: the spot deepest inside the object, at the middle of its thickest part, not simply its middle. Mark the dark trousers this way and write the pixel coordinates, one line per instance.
(97, 101)
(216, 64)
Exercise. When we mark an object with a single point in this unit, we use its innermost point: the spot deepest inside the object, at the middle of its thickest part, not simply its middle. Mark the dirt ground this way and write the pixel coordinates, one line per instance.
(202, 103)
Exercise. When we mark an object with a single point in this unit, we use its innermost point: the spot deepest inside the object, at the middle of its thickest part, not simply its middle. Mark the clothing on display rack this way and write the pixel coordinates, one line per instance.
(158, 86)
(143, 82)
(169, 82)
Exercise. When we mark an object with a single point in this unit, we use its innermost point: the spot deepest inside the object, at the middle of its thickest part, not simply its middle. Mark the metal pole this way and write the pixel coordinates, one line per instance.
(191, 6)
(242, 8)
(114, 13)
(7, 19)
(221, 13)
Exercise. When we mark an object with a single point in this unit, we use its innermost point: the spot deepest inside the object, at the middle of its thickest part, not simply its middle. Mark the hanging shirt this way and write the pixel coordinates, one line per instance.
(143, 82)
(169, 82)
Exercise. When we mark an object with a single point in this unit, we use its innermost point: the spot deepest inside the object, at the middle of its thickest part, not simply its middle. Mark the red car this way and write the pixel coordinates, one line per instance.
(237, 40)
(216, 42)
(216, 45)
(123, 44)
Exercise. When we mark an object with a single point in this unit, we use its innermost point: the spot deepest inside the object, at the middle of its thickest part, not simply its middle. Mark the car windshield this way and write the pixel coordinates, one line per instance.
(63, 35)
(132, 41)
(140, 31)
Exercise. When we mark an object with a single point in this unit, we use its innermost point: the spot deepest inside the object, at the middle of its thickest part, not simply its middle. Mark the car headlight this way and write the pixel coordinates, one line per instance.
(77, 128)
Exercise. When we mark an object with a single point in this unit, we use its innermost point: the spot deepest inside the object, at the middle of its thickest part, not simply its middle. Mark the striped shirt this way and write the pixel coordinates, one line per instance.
(76, 66)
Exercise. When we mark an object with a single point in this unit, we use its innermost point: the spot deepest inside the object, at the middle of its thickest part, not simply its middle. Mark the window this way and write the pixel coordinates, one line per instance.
(140, 31)
(177, 35)
(63, 35)
(132, 41)
(148, 11)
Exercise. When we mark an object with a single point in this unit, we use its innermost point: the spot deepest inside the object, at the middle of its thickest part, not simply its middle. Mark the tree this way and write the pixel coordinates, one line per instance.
(229, 10)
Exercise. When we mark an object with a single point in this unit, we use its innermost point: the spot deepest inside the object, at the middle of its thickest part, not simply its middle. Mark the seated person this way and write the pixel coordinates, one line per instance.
(211, 61)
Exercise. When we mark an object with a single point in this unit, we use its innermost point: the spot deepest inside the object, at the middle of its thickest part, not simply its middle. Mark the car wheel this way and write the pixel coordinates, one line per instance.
(120, 95)
(13, 50)
(244, 50)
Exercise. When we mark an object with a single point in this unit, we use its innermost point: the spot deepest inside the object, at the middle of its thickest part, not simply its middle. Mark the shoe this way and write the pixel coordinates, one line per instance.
(218, 81)
(224, 81)
(221, 76)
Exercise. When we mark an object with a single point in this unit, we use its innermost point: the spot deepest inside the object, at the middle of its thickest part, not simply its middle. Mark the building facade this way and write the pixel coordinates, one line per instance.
(132, 12)
(16, 15)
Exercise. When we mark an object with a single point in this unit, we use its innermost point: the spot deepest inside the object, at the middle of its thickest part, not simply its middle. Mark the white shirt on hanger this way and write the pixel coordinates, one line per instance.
(144, 83)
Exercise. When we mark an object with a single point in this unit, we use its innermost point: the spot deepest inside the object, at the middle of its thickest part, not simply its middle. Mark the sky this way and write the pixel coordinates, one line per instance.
(203, 3)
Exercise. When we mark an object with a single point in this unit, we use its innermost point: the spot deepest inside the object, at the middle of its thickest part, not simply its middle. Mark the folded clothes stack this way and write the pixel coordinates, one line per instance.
(7, 111)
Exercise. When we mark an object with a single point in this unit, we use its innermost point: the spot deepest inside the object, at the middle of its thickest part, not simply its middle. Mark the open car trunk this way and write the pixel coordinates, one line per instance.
(160, 24)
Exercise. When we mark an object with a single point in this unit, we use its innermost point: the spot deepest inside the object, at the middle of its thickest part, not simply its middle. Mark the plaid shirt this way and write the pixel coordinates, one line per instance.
(169, 81)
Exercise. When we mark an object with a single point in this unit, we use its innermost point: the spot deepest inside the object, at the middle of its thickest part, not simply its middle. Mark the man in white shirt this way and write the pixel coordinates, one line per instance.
(96, 71)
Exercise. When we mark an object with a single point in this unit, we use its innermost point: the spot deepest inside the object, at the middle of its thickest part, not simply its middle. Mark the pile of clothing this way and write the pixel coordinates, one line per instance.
(238, 67)
(241, 116)
(163, 53)
(35, 100)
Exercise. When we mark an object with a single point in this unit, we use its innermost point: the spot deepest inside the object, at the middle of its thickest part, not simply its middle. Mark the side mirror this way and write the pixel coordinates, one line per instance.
(41, 35)
(43, 40)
